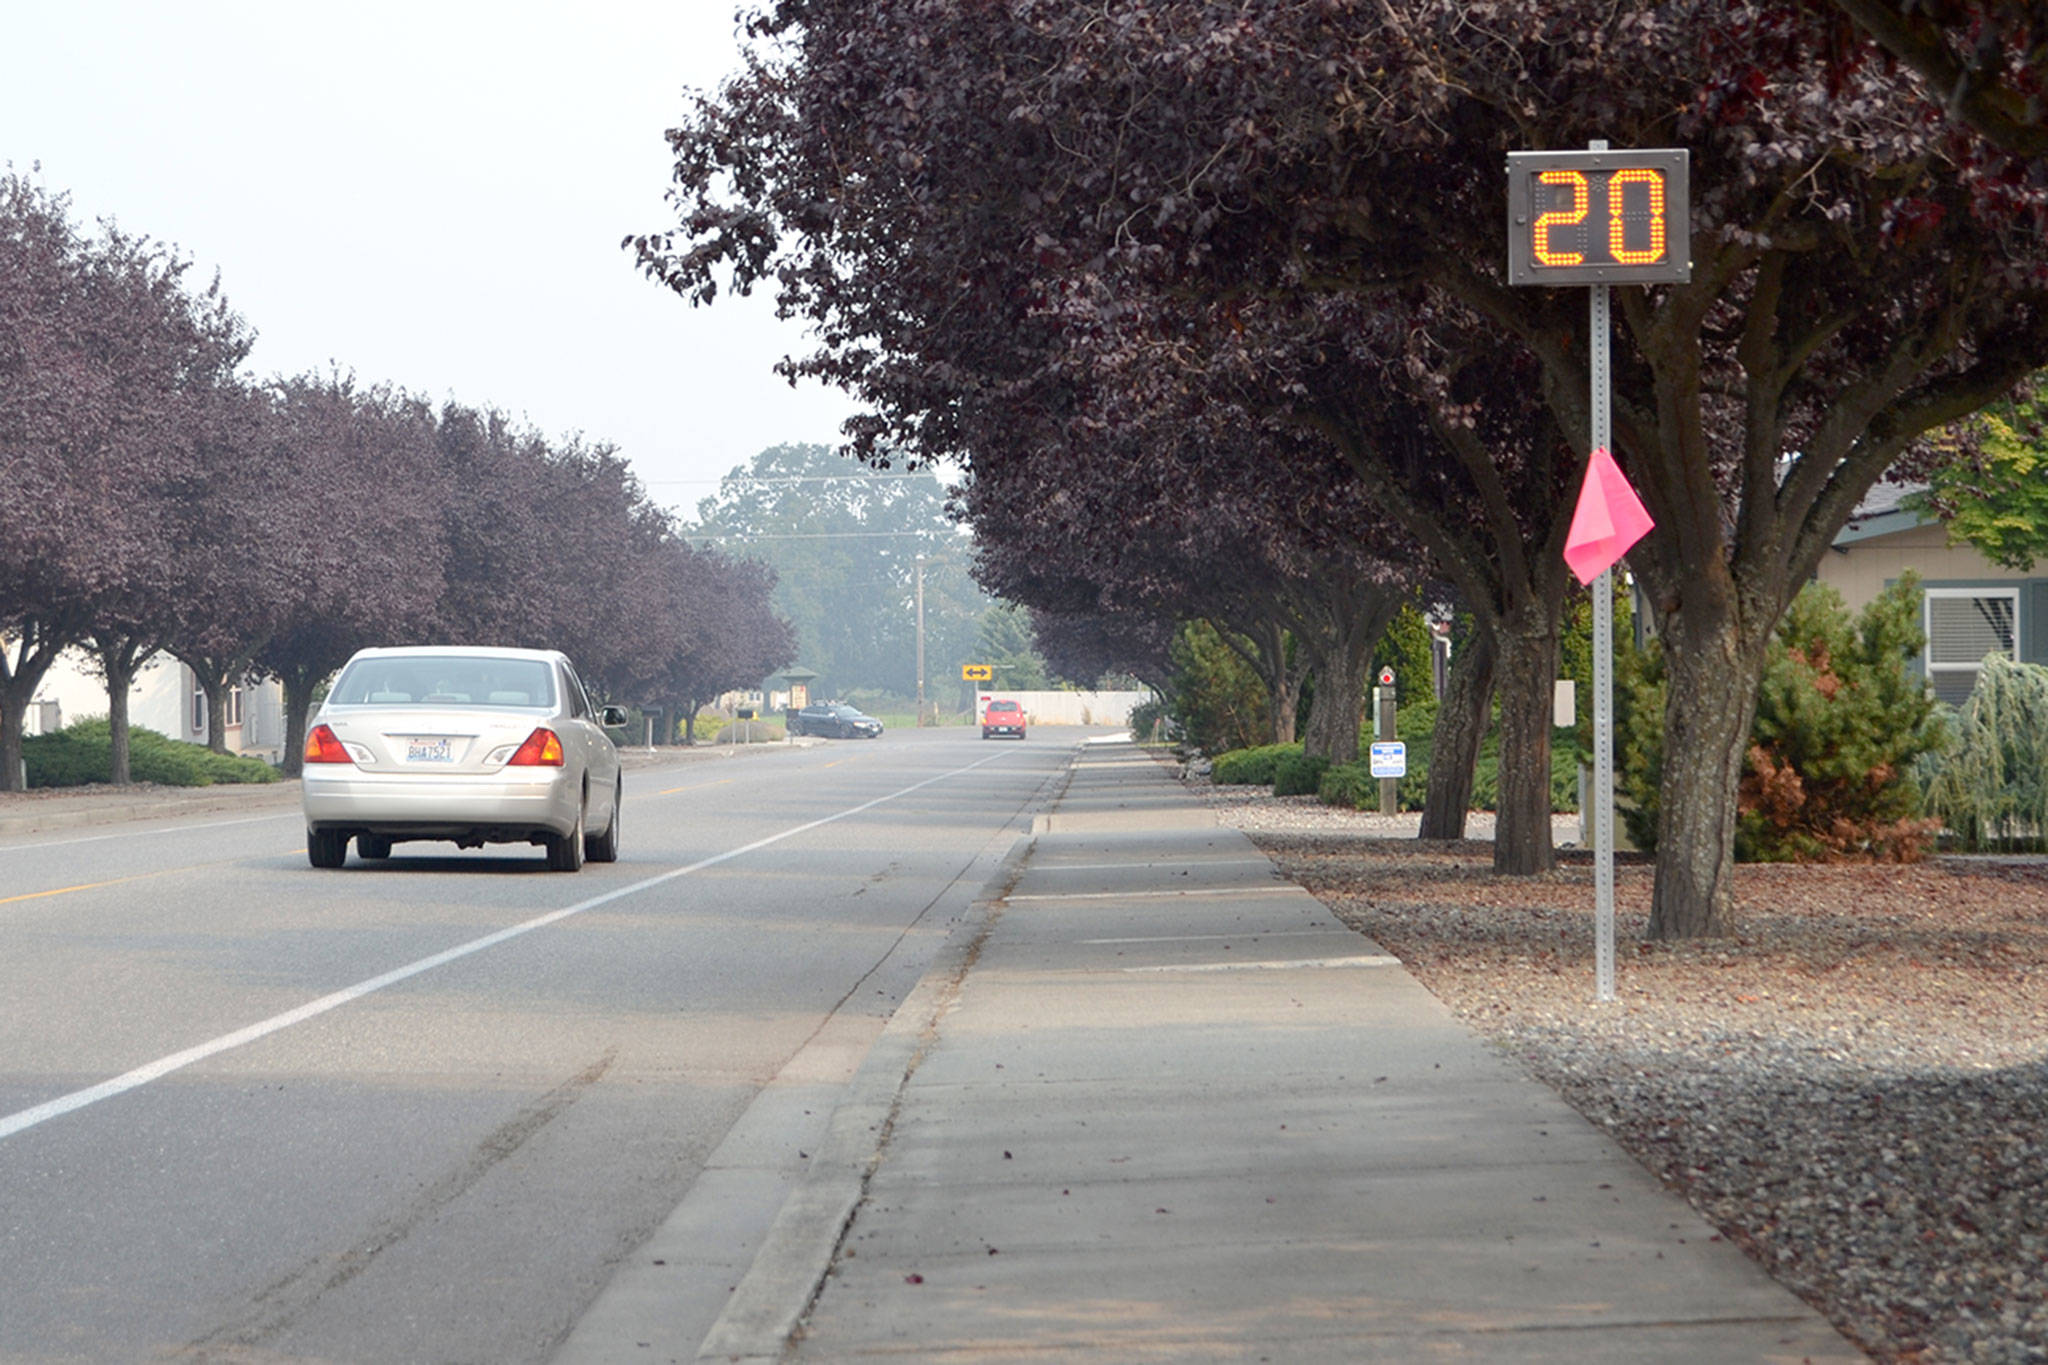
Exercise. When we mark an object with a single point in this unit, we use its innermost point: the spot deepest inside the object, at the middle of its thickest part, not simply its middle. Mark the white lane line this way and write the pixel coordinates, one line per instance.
(292, 814)
(164, 1066)
(1318, 962)
(1246, 937)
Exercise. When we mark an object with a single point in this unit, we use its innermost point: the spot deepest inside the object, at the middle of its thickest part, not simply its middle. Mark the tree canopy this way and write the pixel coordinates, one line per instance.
(1997, 498)
(108, 359)
(159, 498)
(975, 204)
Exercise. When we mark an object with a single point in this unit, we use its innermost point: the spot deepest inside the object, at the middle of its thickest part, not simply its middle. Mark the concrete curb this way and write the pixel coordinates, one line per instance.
(34, 816)
(766, 1310)
(769, 1304)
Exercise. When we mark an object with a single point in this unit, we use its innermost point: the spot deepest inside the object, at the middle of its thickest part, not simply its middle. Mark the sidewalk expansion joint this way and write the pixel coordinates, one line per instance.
(1298, 964)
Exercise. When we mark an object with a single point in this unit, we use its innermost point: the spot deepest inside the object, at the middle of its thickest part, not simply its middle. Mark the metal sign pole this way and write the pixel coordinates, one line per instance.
(1601, 218)
(1603, 681)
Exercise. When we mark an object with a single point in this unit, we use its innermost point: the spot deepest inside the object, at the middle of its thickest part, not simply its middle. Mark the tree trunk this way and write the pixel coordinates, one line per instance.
(214, 677)
(1263, 645)
(1333, 721)
(120, 675)
(1527, 644)
(13, 716)
(1461, 721)
(298, 684)
(1286, 691)
(34, 650)
(1708, 709)
(1337, 631)
(120, 657)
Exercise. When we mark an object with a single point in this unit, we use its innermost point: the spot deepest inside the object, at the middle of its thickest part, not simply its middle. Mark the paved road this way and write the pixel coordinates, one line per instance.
(254, 1112)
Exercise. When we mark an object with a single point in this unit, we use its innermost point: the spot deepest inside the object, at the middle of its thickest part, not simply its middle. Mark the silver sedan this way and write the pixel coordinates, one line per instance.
(471, 745)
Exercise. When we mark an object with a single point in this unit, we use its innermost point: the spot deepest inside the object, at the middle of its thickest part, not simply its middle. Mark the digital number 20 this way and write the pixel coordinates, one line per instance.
(1617, 241)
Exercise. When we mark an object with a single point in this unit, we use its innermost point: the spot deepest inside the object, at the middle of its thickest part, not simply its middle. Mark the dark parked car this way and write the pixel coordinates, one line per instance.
(835, 719)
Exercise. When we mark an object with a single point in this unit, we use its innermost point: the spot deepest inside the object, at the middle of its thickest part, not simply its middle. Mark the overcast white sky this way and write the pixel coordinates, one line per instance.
(430, 193)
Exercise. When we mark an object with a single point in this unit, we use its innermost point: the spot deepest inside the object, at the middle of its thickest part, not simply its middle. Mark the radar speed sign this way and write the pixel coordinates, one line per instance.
(1599, 217)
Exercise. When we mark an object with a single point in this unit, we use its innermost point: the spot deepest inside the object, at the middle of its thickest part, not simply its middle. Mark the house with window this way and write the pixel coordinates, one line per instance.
(166, 698)
(1970, 606)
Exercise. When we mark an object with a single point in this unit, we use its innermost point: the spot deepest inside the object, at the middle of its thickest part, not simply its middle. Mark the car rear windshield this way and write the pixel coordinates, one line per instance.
(445, 680)
(1002, 706)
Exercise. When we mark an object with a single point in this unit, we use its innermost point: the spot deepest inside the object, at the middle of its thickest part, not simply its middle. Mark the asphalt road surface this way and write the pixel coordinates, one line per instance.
(254, 1112)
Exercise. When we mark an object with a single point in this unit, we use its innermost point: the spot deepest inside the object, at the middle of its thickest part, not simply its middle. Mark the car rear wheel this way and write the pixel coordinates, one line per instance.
(373, 846)
(565, 851)
(326, 847)
(605, 847)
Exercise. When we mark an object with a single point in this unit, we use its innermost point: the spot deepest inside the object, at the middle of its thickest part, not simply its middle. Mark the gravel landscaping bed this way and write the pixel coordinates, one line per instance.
(1853, 1088)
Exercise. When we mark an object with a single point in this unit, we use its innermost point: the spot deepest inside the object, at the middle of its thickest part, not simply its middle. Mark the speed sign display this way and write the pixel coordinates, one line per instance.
(1599, 217)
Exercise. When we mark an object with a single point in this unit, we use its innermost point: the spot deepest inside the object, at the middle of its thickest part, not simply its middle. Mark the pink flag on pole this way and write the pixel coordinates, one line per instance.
(1608, 519)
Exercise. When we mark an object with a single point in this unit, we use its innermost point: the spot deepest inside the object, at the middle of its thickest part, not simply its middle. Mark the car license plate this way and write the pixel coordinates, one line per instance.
(430, 750)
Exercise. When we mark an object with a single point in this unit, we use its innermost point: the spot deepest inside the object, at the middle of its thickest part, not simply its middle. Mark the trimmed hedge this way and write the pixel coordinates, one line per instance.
(1353, 785)
(1247, 767)
(1298, 774)
(83, 753)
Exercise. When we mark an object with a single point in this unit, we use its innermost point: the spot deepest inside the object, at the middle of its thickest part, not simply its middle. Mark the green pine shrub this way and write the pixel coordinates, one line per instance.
(83, 752)
(1216, 696)
(1639, 687)
(1251, 767)
(1991, 791)
(1840, 725)
(1147, 718)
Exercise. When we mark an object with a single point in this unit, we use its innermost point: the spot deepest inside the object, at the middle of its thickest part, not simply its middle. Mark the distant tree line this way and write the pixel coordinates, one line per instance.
(848, 545)
(155, 499)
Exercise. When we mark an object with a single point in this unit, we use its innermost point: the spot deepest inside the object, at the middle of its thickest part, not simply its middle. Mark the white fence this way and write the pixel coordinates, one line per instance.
(1069, 708)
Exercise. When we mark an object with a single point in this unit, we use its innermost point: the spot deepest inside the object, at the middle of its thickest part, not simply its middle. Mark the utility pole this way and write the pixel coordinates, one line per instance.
(920, 639)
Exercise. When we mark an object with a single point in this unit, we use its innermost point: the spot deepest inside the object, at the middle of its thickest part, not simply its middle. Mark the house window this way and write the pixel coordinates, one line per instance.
(1963, 625)
(234, 705)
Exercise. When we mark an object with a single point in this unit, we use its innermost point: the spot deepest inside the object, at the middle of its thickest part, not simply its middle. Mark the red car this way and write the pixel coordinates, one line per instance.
(1002, 718)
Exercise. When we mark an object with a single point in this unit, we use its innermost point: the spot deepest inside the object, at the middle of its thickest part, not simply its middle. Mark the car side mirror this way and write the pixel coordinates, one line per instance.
(611, 717)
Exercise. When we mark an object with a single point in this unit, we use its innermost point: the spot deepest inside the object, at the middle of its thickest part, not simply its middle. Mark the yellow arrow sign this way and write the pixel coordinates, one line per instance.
(977, 672)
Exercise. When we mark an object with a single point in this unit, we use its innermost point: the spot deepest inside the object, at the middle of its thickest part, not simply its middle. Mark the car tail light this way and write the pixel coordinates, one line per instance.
(323, 746)
(543, 749)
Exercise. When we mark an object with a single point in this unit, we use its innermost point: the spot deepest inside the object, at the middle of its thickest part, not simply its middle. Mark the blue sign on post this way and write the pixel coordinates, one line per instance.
(1389, 758)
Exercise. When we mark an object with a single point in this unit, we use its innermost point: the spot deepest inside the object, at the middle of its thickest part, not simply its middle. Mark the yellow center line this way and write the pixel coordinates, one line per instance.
(699, 786)
(86, 886)
(118, 881)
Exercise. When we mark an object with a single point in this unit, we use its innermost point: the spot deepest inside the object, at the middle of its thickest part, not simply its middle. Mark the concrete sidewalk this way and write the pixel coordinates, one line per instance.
(1155, 1104)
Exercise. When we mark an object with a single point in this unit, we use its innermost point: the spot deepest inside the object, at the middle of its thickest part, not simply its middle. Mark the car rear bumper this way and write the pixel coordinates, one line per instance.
(989, 731)
(493, 808)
